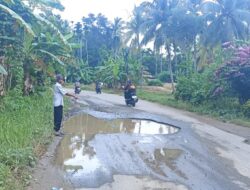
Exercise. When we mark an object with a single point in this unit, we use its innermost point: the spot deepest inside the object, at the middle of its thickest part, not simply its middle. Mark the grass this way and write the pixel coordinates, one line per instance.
(25, 131)
(163, 98)
(228, 110)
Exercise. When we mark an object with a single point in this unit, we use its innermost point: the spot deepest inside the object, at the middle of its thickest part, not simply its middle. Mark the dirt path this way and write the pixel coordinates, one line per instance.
(205, 154)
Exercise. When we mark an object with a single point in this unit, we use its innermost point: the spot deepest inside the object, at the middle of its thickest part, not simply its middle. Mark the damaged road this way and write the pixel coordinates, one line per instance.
(111, 146)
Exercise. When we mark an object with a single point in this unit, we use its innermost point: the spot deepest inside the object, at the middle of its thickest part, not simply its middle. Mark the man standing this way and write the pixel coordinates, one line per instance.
(59, 92)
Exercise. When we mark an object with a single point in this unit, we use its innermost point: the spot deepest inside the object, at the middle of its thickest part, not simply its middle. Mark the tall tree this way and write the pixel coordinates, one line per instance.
(116, 27)
(133, 35)
(226, 20)
(134, 30)
(157, 27)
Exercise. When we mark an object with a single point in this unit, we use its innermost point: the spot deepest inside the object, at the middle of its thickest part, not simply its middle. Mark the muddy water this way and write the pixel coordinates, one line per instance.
(93, 149)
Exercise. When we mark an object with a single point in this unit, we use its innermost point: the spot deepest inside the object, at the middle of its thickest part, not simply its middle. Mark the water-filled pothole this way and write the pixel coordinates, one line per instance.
(88, 126)
(85, 162)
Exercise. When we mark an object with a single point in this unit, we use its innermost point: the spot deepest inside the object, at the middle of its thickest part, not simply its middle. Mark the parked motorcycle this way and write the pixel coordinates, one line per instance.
(130, 96)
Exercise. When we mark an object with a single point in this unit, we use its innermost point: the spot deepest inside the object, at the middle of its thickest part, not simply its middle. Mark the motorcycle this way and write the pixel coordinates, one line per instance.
(98, 88)
(130, 96)
(77, 90)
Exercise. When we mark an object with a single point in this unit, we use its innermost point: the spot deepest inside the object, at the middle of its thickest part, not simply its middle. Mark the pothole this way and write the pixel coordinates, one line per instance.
(89, 154)
(89, 126)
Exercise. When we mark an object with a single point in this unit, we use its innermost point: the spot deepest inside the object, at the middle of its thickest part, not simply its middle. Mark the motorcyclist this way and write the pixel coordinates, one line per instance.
(77, 87)
(98, 87)
(129, 89)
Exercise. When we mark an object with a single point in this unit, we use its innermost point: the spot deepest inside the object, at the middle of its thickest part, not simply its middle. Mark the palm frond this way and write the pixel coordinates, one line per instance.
(148, 36)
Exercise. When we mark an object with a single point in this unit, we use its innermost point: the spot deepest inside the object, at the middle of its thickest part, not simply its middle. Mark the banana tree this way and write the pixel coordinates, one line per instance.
(112, 72)
(35, 51)
(39, 56)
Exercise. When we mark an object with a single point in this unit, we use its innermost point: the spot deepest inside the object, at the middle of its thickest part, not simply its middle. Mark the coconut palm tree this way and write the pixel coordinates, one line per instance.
(133, 37)
(157, 27)
(116, 27)
(226, 20)
(134, 30)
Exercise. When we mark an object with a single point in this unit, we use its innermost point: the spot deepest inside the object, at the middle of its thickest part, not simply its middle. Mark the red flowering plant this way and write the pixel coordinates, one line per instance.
(236, 71)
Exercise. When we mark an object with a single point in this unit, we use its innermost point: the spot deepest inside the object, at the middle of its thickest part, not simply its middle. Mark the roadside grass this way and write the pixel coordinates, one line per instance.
(226, 111)
(25, 131)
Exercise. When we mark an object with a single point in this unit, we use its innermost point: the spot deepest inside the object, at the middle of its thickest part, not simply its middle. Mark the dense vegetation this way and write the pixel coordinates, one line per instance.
(200, 46)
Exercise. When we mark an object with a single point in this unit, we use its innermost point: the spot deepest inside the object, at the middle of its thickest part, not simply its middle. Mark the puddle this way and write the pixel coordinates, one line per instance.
(168, 156)
(78, 158)
(88, 126)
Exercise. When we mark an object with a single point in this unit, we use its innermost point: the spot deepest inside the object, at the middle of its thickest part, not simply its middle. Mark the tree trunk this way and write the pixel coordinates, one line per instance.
(175, 55)
(195, 56)
(81, 46)
(161, 62)
(86, 49)
(170, 67)
(28, 87)
(2, 89)
(156, 62)
(139, 59)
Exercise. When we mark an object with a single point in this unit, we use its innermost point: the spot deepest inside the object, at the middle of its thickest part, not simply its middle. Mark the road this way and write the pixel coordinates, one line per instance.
(202, 154)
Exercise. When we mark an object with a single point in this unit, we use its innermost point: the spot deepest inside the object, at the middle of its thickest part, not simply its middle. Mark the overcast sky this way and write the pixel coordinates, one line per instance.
(76, 9)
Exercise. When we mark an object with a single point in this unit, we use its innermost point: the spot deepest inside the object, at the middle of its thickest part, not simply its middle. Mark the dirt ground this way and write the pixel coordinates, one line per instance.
(167, 87)
(204, 154)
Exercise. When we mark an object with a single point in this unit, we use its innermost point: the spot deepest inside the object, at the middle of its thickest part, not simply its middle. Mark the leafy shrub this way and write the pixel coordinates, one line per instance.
(164, 76)
(246, 109)
(155, 82)
(195, 87)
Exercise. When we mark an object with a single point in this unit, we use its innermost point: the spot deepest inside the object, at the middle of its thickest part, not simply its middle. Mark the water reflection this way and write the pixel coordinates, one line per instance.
(75, 154)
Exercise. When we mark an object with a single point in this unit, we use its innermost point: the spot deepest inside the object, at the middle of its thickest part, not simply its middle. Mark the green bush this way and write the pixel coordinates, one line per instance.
(246, 109)
(155, 82)
(164, 76)
(196, 87)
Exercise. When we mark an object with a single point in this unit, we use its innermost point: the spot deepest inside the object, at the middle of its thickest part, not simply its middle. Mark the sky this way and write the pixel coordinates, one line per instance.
(76, 9)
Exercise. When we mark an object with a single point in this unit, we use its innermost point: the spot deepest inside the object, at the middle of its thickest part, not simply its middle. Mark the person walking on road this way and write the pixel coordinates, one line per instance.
(59, 92)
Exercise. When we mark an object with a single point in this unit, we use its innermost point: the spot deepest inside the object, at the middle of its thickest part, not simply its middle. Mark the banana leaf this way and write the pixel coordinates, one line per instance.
(18, 19)
(2, 70)
(52, 55)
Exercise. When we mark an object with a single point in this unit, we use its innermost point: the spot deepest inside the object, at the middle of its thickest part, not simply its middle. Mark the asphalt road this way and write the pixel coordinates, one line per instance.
(203, 154)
